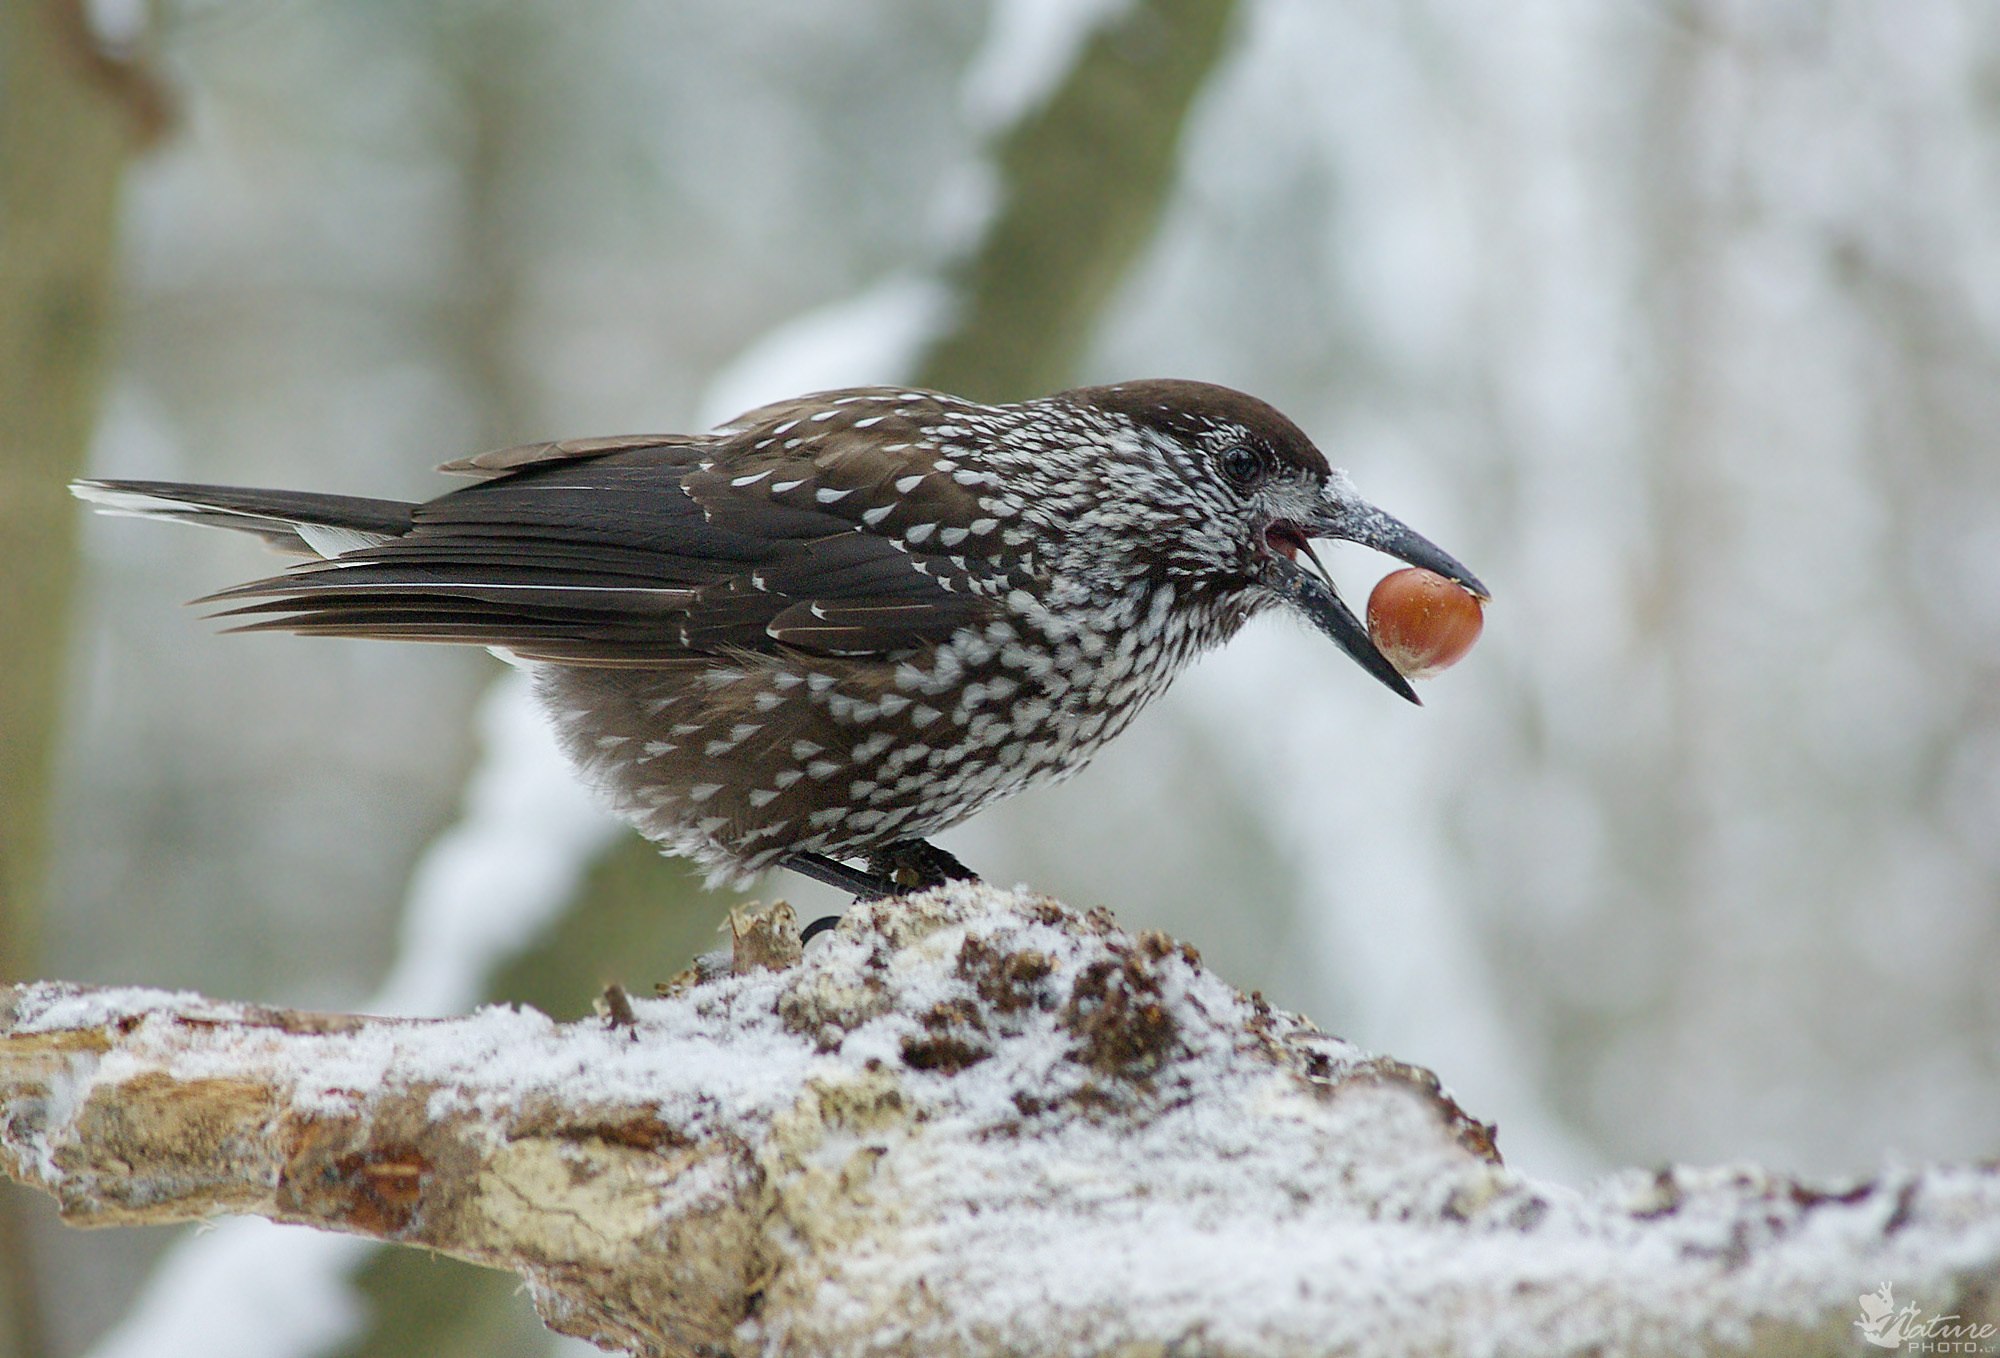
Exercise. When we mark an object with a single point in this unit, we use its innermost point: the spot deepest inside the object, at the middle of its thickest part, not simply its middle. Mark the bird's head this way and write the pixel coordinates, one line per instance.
(1241, 494)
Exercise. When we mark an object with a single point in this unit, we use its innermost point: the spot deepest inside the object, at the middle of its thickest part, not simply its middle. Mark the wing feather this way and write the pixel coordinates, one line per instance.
(640, 551)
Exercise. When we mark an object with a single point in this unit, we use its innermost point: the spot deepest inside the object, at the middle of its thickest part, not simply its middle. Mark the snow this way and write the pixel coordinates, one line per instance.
(1224, 1192)
(56, 1009)
(729, 1056)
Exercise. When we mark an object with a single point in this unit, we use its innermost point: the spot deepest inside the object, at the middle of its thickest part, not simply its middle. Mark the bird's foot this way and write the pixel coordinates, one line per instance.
(914, 865)
(893, 870)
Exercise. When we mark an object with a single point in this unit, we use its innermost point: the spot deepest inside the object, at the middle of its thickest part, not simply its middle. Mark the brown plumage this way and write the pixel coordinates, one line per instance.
(845, 621)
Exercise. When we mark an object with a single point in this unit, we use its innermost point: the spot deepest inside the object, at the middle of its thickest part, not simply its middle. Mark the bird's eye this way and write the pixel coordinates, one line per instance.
(1243, 465)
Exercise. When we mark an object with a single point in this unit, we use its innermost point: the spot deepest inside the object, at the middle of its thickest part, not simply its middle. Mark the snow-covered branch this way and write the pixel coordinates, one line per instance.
(969, 1122)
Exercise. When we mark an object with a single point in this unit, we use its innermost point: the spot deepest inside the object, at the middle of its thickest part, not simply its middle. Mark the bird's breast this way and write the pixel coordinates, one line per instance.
(736, 760)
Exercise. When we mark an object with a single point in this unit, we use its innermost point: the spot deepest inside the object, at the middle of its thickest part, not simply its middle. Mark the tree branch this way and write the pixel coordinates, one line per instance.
(969, 1122)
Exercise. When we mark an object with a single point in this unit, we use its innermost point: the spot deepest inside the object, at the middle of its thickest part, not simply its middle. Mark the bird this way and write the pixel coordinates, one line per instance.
(841, 623)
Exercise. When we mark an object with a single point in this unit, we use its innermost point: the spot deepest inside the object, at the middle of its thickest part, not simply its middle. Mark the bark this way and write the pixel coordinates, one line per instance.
(967, 1122)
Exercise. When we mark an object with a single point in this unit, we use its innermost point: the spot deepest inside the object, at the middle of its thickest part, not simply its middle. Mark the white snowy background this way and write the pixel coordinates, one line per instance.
(1677, 321)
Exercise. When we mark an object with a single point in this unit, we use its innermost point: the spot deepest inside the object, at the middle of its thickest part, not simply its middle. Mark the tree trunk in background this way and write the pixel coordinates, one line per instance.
(69, 117)
(63, 142)
(1083, 179)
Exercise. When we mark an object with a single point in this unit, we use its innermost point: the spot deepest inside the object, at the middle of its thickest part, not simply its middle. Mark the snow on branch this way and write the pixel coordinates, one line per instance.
(969, 1122)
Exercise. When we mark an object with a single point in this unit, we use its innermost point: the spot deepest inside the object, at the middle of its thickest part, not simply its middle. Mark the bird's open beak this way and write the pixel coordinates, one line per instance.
(1305, 585)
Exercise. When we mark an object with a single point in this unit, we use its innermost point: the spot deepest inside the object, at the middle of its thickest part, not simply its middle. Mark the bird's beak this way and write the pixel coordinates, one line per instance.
(1306, 586)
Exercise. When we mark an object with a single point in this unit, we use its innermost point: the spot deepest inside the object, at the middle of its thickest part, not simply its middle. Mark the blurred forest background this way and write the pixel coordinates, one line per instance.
(1678, 320)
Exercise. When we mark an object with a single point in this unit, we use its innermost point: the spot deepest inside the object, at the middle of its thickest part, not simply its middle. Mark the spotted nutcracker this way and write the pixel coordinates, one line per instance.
(844, 622)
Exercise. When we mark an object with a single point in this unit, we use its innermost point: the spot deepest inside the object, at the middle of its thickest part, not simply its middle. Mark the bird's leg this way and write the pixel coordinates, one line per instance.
(865, 886)
(906, 865)
(914, 864)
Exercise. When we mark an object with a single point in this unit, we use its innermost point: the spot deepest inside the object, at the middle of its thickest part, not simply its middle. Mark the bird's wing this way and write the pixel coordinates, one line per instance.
(640, 551)
(500, 462)
(298, 523)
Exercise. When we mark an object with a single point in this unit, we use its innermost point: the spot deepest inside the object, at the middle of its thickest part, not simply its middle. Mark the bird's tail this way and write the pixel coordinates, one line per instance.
(302, 523)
